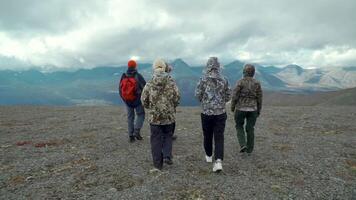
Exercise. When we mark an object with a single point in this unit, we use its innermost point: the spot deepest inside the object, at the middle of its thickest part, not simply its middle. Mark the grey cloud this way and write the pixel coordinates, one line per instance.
(23, 17)
(118, 47)
(275, 31)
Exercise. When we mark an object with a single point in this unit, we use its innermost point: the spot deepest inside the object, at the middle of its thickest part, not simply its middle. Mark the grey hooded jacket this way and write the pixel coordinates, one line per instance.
(213, 89)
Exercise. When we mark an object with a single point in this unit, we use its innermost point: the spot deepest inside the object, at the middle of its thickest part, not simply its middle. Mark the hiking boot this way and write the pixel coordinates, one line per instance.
(208, 159)
(168, 161)
(132, 139)
(217, 166)
(174, 137)
(139, 137)
(137, 134)
(243, 149)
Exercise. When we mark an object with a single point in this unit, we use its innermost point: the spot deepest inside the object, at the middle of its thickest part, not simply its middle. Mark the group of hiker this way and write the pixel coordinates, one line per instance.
(160, 97)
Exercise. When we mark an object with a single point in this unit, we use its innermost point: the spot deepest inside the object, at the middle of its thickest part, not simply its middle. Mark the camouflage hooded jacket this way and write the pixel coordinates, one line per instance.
(213, 89)
(247, 95)
(160, 97)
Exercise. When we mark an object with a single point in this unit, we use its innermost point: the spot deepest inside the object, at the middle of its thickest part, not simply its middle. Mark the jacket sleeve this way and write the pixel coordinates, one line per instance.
(141, 81)
(259, 97)
(122, 76)
(145, 98)
(235, 96)
(176, 95)
(199, 90)
(227, 91)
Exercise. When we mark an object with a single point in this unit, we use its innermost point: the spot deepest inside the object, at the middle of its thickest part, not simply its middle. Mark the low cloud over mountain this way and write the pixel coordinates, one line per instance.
(100, 85)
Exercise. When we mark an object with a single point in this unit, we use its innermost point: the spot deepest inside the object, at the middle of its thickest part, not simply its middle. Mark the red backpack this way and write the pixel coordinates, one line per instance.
(128, 87)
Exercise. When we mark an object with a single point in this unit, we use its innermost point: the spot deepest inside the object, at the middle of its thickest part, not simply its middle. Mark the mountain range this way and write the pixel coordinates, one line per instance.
(100, 85)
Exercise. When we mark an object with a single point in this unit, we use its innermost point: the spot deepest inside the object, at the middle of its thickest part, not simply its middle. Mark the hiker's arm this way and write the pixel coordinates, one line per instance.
(176, 95)
(141, 81)
(259, 98)
(120, 85)
(145, 99)
(235, 96)
(227, 92)
(199, 90)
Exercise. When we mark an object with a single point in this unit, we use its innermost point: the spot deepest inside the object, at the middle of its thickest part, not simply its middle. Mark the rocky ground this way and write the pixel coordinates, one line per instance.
(83, 153)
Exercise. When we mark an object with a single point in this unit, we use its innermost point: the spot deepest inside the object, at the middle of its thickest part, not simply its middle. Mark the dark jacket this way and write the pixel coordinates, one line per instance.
(132, 72)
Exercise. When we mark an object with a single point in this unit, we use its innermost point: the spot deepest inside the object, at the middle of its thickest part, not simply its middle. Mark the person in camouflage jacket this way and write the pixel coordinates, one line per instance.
(246, 103)
(213, 92)
(160, 97)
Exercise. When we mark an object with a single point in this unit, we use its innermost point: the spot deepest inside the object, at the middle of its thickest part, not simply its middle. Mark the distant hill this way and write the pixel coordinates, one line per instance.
(100, 85)
(341, 97)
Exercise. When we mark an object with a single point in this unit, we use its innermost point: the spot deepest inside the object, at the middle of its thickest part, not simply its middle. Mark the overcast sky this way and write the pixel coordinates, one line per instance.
(87, 33)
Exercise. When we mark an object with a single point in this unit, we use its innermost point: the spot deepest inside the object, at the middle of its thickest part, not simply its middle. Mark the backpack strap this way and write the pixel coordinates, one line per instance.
(123, 76)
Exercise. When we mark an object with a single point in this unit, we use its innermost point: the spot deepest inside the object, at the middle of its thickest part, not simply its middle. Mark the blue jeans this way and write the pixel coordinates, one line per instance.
(134, 127)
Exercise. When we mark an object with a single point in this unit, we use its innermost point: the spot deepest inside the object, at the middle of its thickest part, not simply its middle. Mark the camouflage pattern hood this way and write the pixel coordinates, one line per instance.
(213, 89)
(247, 95)
(161, 97)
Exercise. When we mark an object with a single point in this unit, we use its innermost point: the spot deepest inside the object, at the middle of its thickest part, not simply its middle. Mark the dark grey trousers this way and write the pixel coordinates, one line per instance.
(161, 143)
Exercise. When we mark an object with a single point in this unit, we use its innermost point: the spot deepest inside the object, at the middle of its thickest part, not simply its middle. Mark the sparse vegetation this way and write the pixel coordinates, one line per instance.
(83, 153)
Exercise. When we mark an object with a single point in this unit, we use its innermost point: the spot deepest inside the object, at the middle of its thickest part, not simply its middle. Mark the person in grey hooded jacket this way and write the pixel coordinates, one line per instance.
(213, 92)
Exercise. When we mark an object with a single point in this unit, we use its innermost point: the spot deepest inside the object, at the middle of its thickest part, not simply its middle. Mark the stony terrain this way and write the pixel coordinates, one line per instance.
(83, 153)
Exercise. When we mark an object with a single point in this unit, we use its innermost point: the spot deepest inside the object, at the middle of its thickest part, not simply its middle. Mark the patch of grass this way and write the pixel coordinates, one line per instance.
(276, 188)
(87, 136)
(272, 172)
(122, 182)
(185, 193)
(279, 133)
(352, 165)
(85, 162)
(92, 146)
(54, 142)
(282, 147)
(17, 180)
(260, 138)
(331, 132)
(353, 169)
(282, 172)
(9, 124)
(298, 182)
(203, 172)
(4, 168)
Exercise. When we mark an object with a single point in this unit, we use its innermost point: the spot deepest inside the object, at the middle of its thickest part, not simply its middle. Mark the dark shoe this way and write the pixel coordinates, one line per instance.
(243, 149)
(139, 137)
(132, 139)
(158, 166)
(137, 134)
(168, 161)
(174, 137)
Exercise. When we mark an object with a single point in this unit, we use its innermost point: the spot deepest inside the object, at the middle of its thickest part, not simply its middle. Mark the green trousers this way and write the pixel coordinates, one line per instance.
(246, 138)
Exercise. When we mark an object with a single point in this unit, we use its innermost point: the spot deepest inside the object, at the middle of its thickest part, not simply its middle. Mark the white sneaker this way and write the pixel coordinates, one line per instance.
(217, 166)
(209, 159)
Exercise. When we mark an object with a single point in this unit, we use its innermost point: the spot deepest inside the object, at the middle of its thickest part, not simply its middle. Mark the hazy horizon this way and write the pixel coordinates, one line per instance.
(52, 69)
